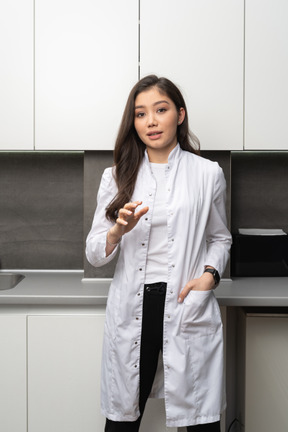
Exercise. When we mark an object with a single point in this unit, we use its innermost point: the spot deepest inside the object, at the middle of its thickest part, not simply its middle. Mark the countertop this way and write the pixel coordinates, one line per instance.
(71, 288)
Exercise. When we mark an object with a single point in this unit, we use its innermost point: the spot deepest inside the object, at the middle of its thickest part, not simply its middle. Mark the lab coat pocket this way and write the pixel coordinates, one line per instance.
(201, 314)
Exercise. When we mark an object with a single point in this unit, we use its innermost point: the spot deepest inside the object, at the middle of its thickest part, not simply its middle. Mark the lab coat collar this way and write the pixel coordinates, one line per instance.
(172, 158)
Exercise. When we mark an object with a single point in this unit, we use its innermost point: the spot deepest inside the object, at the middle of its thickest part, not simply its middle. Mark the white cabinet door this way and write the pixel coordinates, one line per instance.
(13, 416)
(266, 72)
(86, 61)
(16, 75)
(64, 356)
(266, 392)
(199, 46)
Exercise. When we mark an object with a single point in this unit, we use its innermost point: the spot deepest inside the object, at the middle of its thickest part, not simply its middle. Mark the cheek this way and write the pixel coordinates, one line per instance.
(137, 127)
(173, 128)
(173, 121)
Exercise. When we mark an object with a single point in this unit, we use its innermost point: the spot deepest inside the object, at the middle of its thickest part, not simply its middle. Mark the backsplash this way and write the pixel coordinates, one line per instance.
(47, 203)
(259, 190)
(41, 213)
(94, 165)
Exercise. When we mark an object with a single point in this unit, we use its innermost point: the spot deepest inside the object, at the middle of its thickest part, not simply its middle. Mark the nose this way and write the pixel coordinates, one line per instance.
(151, 120)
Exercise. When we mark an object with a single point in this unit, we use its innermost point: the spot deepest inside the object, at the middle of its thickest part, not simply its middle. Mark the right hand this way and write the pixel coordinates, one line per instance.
(126, 221)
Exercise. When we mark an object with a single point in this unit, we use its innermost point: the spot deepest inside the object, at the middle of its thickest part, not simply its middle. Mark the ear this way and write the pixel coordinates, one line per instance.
(181, 116)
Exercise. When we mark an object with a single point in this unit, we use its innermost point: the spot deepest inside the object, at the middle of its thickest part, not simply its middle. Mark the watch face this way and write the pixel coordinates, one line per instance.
(216, 276)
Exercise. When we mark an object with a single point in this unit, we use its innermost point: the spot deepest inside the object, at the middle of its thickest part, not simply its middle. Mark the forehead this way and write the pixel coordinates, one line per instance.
(151, 96)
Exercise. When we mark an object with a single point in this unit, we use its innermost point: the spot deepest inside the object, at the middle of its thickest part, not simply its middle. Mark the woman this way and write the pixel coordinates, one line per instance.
(163, 206)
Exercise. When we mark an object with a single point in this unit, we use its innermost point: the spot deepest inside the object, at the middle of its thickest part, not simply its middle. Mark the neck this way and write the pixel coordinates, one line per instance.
(157, 158)
(160, 157)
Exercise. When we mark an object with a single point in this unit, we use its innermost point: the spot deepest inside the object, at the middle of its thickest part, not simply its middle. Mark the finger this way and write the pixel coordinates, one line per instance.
(124, 213)
(141, 212)
(132, 205)
(120, 221)
(188, 287)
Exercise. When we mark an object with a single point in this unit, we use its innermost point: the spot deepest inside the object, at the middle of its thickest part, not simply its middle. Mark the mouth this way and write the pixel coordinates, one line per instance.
(154, 135)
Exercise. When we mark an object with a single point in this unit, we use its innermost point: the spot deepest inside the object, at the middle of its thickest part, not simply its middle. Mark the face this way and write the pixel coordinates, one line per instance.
(156, 121)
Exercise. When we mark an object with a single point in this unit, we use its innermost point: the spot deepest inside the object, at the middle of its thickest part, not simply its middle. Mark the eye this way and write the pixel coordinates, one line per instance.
(162, 110)
(139, 114)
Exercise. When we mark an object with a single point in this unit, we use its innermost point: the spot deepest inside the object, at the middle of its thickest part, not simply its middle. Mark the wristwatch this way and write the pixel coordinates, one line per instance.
(214, 273)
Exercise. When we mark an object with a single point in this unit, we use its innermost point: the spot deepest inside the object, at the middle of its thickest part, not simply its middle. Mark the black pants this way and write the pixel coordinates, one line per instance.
(151, 345)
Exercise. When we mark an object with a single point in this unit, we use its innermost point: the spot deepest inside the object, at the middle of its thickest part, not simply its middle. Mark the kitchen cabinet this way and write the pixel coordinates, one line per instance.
(67, 69)
(86, 61)
(64, 355)
(16, 75)
(263, 373)
(199, 46)
(266, 71)
(13, 416)
(50, 367)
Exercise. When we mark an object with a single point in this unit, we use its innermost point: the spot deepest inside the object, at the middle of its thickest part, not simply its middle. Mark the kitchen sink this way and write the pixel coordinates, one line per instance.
(10, 280)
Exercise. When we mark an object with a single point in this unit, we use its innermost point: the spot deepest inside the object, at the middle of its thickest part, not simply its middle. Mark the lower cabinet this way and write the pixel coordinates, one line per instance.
(64, 357)
(263, 371)
(13, 417)
(50, 367)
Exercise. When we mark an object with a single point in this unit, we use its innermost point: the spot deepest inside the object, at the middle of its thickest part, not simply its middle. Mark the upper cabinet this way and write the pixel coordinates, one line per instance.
(266, 72)
(86, 61)
(16, 75)
(199, 46)
(67, 69)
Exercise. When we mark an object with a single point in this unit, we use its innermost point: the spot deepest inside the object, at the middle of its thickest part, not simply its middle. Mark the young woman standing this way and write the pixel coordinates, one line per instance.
(164, 206)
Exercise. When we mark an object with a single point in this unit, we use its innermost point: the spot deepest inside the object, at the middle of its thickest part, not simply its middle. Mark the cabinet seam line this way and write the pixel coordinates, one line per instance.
(139, 53)
(27, 393)
(34, 84)
(244, 73)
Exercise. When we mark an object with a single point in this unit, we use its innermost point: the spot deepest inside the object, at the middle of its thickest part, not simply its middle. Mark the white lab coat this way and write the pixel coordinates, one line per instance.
(190, 373)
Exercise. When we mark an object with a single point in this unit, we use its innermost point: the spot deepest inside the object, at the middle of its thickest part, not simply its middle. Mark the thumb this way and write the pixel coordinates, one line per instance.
(185, 292)
(141, 212)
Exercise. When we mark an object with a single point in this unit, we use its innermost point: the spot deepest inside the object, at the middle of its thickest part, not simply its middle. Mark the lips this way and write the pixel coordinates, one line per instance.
(154, 135)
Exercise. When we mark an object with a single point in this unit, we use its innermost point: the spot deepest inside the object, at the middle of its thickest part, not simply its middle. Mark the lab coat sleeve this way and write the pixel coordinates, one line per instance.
(218, 236)
(96, 239)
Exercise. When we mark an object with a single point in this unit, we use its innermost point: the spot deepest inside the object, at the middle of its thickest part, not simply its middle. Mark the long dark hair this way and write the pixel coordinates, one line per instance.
(129, 149)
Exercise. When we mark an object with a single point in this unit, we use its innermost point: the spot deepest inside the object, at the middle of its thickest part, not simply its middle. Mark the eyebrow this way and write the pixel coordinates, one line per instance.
(156, 103)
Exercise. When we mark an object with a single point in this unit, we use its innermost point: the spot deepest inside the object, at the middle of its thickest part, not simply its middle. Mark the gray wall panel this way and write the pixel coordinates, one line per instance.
(41, 210)
(259, 190)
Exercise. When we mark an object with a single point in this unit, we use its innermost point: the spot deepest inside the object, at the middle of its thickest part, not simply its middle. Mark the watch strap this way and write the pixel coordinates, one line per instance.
(214, 273)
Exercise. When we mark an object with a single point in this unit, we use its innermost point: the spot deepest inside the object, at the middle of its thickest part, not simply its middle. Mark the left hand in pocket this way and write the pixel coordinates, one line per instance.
(204, 283)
